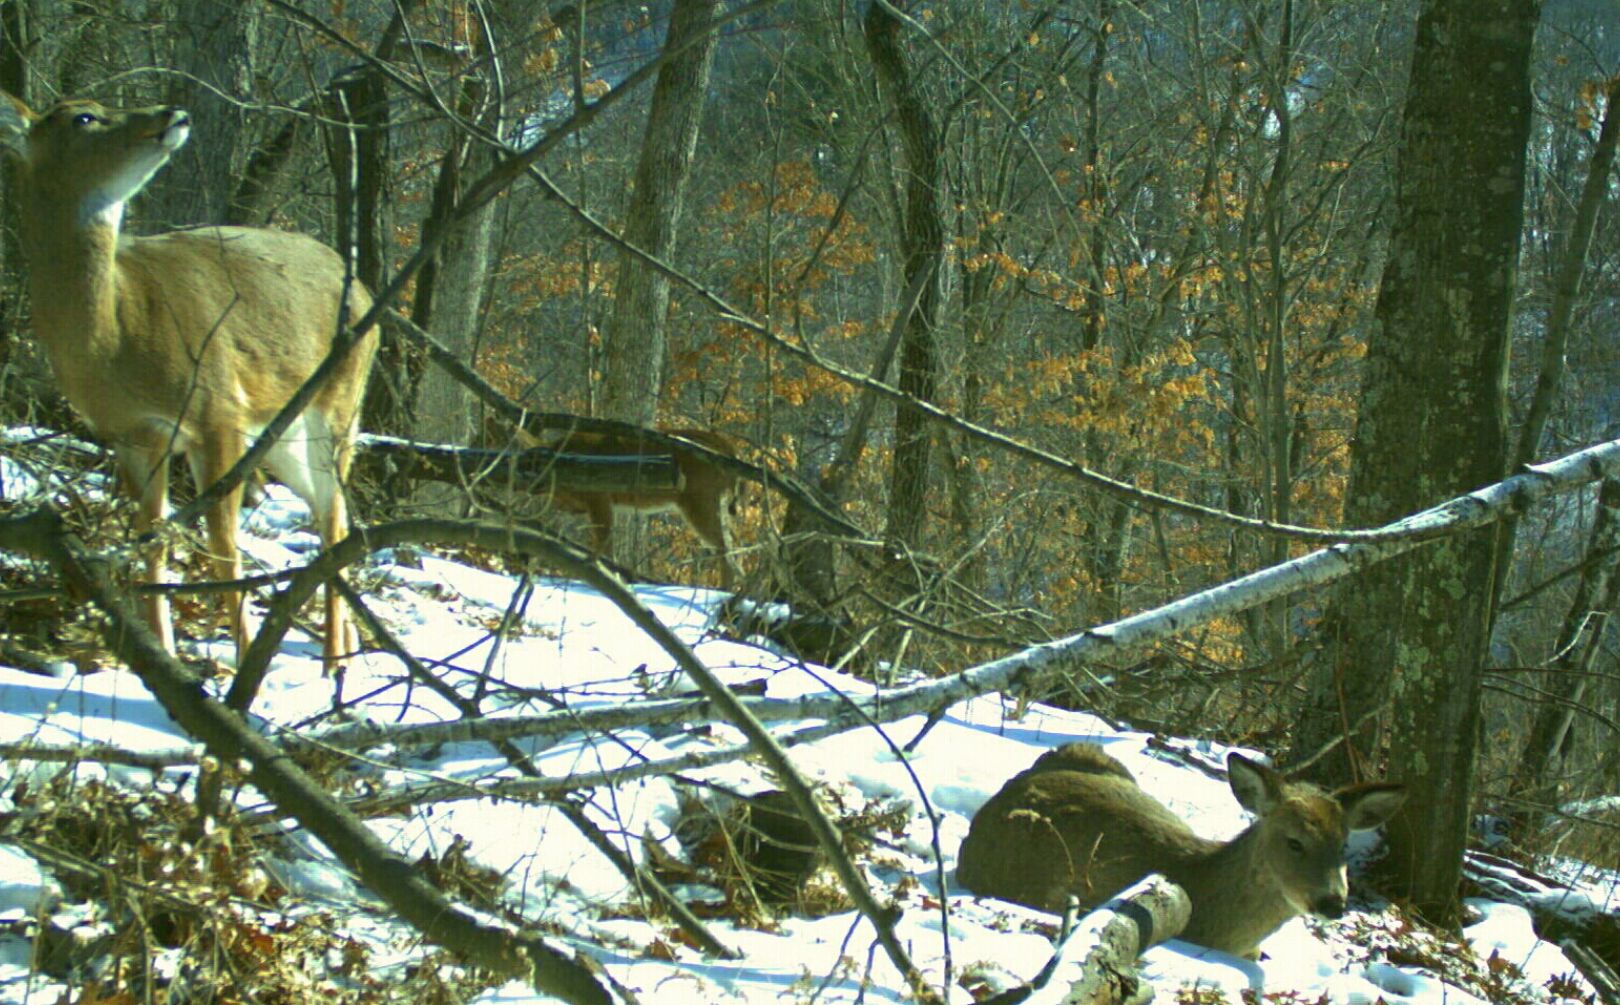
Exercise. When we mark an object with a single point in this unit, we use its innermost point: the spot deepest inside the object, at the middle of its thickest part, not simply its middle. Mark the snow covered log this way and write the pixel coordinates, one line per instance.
(1562, 913)
(1095, 965)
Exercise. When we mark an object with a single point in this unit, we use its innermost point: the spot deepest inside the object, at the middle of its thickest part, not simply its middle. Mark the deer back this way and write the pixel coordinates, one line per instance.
(1073, 823)
(223, 324)
(703, 484)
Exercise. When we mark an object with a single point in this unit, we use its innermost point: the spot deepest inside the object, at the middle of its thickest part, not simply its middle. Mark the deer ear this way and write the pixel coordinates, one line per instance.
(1370, 804)
(16, 119)
(1257, 787)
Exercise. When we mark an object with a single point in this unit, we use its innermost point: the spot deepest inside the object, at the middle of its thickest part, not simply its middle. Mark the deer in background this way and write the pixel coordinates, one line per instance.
(706, 500)
(183, 343)
(1076, 823)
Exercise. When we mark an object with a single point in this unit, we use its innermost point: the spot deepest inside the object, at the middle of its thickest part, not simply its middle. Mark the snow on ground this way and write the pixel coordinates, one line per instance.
(577, 649)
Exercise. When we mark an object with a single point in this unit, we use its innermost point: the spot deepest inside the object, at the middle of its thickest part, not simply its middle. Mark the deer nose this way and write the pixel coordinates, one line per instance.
(1329, 905)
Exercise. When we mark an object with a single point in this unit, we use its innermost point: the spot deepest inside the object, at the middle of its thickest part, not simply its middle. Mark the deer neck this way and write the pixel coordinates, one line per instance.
(73, 278)
(1235, 903)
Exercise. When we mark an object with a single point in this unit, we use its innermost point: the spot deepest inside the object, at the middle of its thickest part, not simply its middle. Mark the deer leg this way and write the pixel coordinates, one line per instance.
(208, 462)
(599, 512)
(709, 518)
(309, 461)
(342, 639)
(146, 477)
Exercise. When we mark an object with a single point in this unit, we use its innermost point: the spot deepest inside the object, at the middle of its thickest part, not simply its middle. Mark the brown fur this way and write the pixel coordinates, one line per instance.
(187, 342)
(706, 500)
(1075, 822)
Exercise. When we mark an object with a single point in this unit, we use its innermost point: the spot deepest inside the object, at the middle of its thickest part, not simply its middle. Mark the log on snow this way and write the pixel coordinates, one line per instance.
(1095, 965)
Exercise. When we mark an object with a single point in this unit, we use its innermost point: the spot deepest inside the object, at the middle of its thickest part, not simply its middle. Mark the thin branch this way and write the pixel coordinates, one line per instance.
(1122, 490)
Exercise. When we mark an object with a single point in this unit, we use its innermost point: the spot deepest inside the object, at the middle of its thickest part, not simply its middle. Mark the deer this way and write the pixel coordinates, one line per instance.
(1076, 823)
(706, 498)
(187, 342)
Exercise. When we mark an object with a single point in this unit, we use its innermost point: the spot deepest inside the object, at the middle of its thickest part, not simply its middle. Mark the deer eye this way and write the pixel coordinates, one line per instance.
(1296, 846)
(86, 119)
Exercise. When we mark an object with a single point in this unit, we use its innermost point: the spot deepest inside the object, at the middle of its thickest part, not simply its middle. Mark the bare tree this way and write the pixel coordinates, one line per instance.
(450, 293)
(922, 238)
(636, 329)
(1432, 423)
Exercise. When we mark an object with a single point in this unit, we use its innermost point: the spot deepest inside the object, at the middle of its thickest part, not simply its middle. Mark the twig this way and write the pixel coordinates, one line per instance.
(470, 710)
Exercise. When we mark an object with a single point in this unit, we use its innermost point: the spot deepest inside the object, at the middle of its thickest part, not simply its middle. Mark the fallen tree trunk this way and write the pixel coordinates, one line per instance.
(1096, 963)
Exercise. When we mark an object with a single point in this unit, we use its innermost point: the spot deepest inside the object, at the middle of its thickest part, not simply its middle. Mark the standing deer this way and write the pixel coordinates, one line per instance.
(183, 343)
(1076, 823)
(706, 498)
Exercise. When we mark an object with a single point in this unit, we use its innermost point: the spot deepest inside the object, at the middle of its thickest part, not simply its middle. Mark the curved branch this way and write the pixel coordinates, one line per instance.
(43, 535)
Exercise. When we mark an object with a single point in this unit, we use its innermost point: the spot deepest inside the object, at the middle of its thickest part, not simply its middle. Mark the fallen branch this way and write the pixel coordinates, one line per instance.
(1560, 912)
(537, 471)
(1598, 973)
(404, 887)
(556, 787)
(1023, 670)
(97, 753)
(1096, 964)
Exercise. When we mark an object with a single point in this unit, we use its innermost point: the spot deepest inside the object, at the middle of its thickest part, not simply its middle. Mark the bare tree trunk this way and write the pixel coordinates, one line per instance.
(1432, 423)
(264, 176)
(1579, 641)
(450, 292)
(1275, 422)
(634, 339)
(922, 237)
(214, 51)
(357, 147)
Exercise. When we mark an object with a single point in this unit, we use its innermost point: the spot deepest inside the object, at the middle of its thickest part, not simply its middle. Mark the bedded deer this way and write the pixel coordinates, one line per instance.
(1076, 823)
(187, 342)
(706, 498)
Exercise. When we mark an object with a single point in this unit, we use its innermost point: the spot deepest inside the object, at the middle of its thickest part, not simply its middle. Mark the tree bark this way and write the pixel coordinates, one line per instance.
(922, 238)
(264, 176)
(635, 335)
(450, 291)
(1432, 423)
(215, 46)
(1578, 644)
(357, 148)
